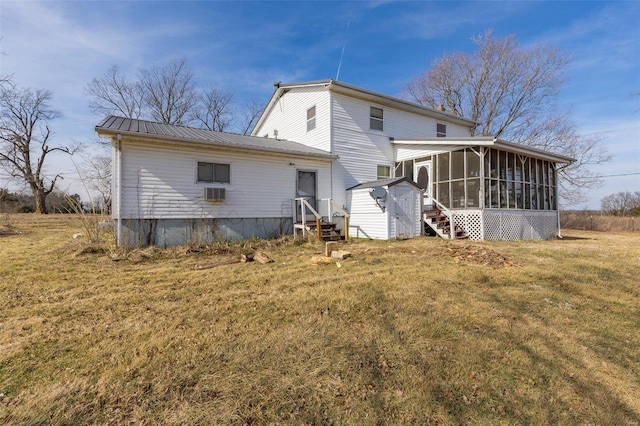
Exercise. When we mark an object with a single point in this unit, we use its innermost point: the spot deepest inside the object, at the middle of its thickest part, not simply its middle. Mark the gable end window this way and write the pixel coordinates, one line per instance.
(441, 130)
(214, 172)
(375, 118)
(311, 118)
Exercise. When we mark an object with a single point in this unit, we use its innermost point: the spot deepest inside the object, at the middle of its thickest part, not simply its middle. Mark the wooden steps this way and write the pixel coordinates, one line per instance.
(440, 223)
(328, 230)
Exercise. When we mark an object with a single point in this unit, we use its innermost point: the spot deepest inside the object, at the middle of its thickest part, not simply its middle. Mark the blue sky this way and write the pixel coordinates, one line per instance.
(246, 46)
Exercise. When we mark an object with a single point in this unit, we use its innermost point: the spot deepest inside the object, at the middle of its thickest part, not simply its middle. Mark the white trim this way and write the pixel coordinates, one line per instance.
(443, 143)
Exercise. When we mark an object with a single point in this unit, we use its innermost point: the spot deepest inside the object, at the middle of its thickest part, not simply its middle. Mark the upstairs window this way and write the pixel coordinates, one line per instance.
(214, 172)
(441, 130)
(384, 172)
(375, 118)
(311, 118)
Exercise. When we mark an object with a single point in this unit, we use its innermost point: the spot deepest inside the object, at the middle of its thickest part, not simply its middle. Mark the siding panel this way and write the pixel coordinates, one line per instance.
(160, 182)
(367, 220)
(289, 118)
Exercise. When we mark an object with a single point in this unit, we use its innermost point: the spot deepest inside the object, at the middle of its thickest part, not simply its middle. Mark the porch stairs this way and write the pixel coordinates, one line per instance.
(439, 220)
(329, 231)
(313, 223)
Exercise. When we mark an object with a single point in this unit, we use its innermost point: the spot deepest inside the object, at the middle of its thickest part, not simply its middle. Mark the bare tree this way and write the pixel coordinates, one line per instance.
(512, 93)
(25, 139)
(169, 93)
(250, 112)
(95, 173)
(213, 111)
(624, 203)
(113, 94)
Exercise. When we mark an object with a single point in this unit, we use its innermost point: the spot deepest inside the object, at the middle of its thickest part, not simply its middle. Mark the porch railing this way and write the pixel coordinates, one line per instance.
(304, 204)
(449, 214)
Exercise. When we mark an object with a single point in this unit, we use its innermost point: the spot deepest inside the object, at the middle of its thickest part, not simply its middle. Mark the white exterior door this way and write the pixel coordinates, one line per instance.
(422, 176)
(405, 199)
(306, 186)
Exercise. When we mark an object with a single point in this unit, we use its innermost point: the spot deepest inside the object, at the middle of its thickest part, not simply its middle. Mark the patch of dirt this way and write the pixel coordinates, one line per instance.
(478, 254)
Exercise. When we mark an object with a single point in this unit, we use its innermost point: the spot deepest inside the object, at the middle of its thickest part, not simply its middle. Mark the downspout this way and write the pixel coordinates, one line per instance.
(555, 189)
(117, 190)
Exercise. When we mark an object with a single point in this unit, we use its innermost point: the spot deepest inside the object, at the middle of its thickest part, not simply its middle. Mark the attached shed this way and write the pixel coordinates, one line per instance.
(385, 209)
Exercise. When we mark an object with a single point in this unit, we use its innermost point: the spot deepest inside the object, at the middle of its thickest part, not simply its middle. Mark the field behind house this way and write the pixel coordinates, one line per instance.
(423, 331)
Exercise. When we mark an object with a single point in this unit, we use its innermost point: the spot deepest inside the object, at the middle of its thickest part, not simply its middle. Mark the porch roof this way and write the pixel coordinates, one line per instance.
(490, 141)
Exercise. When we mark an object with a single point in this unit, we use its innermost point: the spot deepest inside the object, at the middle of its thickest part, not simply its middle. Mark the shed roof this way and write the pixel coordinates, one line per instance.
(384, 182)
(114, 125)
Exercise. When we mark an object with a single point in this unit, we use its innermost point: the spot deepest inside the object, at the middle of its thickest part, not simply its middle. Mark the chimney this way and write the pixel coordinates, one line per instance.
(441, 108)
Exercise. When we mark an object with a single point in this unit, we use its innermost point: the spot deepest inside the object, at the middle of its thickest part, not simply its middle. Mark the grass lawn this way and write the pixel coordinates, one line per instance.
(424, 331)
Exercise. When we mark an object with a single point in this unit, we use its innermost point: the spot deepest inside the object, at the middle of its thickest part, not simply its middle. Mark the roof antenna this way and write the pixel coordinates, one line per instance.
(344, 44)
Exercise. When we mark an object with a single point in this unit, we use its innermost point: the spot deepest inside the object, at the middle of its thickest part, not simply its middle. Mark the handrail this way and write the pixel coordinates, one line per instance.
(339, 209)
(330, 203)
(304, 203)
(449, 214)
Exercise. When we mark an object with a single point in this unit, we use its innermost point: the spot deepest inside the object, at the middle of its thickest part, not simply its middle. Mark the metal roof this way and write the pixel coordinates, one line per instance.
(383, 182)
(114, 125)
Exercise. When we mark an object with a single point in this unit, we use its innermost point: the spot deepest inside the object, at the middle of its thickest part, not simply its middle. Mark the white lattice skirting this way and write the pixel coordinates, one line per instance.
(470, 221)
(508, 224)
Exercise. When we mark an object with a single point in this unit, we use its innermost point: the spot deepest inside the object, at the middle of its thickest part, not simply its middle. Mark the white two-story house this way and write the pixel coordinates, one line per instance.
(379, 166)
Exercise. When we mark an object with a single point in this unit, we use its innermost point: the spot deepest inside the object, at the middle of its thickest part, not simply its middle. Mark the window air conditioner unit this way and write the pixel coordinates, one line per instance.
(214, 194)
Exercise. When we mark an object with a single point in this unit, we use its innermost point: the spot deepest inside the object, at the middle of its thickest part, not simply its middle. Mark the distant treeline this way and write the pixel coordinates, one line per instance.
(597, 221)
(57, 202)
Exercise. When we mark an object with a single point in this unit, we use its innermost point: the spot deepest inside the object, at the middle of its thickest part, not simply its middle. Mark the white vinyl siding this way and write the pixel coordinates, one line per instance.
(408, 152)
(359, 148)
(403, 124)
(288, 118)
(158, 182)
(367, 220)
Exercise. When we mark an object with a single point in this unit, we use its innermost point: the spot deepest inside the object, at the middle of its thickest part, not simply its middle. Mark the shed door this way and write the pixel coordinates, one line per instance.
(405, 200)
(422, 176)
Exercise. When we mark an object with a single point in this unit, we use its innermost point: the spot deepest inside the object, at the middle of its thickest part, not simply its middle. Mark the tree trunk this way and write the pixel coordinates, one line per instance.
(41, 201)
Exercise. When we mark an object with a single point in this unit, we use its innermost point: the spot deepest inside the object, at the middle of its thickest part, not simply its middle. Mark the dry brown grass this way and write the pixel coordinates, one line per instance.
(423, 331)
(594, 221)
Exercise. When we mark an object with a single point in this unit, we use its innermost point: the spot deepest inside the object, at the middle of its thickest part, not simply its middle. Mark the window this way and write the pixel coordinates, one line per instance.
(384, 172)
(311, 118)
(214, 172)
(375, 118)
(441, 130)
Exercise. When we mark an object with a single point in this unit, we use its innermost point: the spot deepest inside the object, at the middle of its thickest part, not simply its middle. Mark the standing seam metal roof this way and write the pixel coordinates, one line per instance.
(113, 125)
